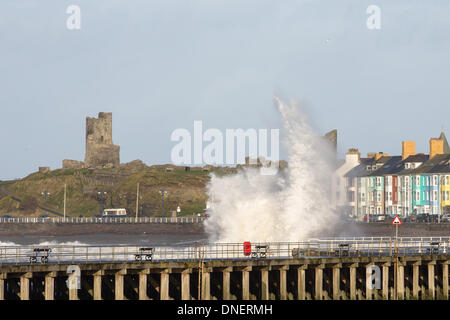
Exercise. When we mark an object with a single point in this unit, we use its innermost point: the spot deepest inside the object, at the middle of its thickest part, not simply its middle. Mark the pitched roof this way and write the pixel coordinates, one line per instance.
(358, 171)
(361, 169)
(439, 164)
(420, 157)
(446, 146)
(428, 165)
(388, 166)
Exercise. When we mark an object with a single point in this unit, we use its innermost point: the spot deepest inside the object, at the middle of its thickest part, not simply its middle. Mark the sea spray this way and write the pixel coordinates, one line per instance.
(288, 206)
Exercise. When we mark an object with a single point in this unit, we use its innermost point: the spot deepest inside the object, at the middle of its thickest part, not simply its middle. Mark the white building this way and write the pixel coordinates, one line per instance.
(339, 194)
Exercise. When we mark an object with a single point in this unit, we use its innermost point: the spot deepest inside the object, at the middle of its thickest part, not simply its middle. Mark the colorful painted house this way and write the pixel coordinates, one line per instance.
(408, 184)
(402, 185)
(440, 191)
(392, 185)
(368, 189)
(385, 188)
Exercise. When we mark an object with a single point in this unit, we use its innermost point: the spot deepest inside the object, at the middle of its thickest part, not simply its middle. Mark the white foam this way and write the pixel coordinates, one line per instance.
(7, 244)
(284, 207)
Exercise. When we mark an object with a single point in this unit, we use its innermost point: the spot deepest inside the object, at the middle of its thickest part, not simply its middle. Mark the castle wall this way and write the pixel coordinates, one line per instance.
(100, 150)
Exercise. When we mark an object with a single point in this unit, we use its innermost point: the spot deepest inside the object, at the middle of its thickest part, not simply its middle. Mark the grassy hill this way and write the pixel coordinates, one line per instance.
(185, 188)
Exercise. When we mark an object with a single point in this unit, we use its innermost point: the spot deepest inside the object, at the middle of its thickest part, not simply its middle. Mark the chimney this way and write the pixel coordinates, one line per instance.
(380, 154)
(408, 149)
(352, 155)
(436, 147)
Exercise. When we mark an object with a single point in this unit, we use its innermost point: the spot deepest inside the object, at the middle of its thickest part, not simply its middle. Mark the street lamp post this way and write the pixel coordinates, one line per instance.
(101, 193)
(163, 193)
(45, 193)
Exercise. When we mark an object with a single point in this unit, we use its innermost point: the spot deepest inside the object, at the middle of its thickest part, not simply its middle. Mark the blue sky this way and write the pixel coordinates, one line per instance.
(160, 65)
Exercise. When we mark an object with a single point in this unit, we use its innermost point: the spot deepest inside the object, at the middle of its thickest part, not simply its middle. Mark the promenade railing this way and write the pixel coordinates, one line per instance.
(313, 248)
(104, 220)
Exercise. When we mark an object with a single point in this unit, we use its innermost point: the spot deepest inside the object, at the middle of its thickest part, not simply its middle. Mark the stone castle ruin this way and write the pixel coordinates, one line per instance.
(100, 150)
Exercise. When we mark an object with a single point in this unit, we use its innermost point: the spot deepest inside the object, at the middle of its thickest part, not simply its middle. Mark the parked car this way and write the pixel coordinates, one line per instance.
(445, 218)
(43, 216)
(411, 218)
(377, 218)
(7, 217)
(434, 218)
(422, 217)
(427, 218)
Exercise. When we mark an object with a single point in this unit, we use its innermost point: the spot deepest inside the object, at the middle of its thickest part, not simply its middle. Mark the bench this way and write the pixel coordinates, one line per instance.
(343, 249)
(144, 252)
(297, 252)
(434, 247)
(43, 253)
(261, 251)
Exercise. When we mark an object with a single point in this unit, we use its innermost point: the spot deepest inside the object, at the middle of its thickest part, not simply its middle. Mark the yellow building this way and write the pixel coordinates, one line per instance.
(445, 193)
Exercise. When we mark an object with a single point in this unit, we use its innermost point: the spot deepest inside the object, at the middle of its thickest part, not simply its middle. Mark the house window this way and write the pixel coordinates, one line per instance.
(351, 182)
(435, 196)
(390, 196)
(378, 196)
(435, 180)
(351, 196)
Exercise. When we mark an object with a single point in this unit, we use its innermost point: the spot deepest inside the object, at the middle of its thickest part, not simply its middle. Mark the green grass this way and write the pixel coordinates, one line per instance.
(185, 188)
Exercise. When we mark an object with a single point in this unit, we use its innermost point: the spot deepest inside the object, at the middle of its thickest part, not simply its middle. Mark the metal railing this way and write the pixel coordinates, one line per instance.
(313, 248)
(105, 220)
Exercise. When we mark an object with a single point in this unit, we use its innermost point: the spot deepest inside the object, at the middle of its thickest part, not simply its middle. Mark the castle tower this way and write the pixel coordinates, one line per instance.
(100, 150)
(332, 138)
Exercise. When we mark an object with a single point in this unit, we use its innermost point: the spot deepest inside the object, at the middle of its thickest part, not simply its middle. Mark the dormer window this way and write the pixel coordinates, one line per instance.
(406, 165)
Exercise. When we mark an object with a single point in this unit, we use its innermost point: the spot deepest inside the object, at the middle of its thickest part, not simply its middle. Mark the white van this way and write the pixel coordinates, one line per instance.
(114, 213)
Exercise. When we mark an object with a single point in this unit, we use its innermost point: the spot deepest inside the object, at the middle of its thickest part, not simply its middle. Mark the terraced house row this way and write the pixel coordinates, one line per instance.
(397, 185)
